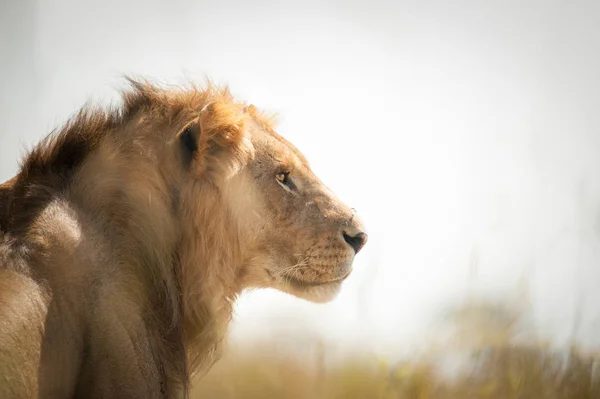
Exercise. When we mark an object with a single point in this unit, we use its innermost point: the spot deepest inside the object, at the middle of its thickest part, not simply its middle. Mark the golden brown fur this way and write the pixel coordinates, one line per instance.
(127, 235)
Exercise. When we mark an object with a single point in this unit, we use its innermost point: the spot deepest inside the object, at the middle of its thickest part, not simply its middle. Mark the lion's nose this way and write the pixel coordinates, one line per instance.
(356, 240)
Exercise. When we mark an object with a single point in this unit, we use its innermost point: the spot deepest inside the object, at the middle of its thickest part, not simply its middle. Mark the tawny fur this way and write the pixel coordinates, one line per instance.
(122, 250)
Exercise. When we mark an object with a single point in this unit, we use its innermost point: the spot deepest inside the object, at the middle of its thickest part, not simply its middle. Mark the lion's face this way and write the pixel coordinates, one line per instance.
(286, 229)
(301, 239)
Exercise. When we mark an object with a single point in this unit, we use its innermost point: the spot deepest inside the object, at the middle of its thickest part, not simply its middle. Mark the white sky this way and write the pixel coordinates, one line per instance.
(459, 130)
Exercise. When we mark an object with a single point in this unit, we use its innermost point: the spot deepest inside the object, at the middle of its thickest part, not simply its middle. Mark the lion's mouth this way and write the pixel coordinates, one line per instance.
(299, 283)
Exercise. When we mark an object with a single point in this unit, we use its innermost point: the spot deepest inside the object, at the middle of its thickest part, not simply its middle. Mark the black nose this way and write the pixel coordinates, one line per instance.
(356, 241)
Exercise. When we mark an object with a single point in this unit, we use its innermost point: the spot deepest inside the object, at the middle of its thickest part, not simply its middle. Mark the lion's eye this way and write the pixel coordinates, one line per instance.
(283, 178)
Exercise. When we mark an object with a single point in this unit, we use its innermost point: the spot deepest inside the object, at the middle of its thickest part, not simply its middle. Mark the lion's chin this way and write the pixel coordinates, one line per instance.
(313, 291)
(317, 293)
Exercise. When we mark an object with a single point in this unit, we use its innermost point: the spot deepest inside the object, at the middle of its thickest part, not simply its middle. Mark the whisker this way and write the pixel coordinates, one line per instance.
(290, 270)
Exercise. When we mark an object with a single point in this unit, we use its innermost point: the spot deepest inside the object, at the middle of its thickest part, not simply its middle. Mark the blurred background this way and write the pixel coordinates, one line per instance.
(465, 133)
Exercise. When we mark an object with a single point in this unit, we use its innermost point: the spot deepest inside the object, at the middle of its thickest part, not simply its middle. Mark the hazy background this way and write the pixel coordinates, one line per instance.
(466, 133)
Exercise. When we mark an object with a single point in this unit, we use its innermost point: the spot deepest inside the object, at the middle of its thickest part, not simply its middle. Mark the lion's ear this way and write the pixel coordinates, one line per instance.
(223, 124)
(190, 136)
(221, 147)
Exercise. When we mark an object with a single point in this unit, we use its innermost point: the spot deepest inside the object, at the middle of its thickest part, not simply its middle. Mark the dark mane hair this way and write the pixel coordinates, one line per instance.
(48, 168)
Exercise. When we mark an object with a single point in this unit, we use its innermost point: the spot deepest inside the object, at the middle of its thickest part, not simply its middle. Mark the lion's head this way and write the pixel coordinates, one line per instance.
(290, 232)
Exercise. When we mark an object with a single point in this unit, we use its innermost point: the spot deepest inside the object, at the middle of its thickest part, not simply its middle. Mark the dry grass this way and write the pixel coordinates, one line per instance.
(496, 368)
(510, 372)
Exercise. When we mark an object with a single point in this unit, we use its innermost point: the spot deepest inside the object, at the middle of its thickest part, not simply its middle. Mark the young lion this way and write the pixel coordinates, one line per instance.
(127, 235)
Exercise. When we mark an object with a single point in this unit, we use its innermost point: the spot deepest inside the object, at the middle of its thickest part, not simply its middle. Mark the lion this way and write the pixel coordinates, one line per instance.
(128, 233)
